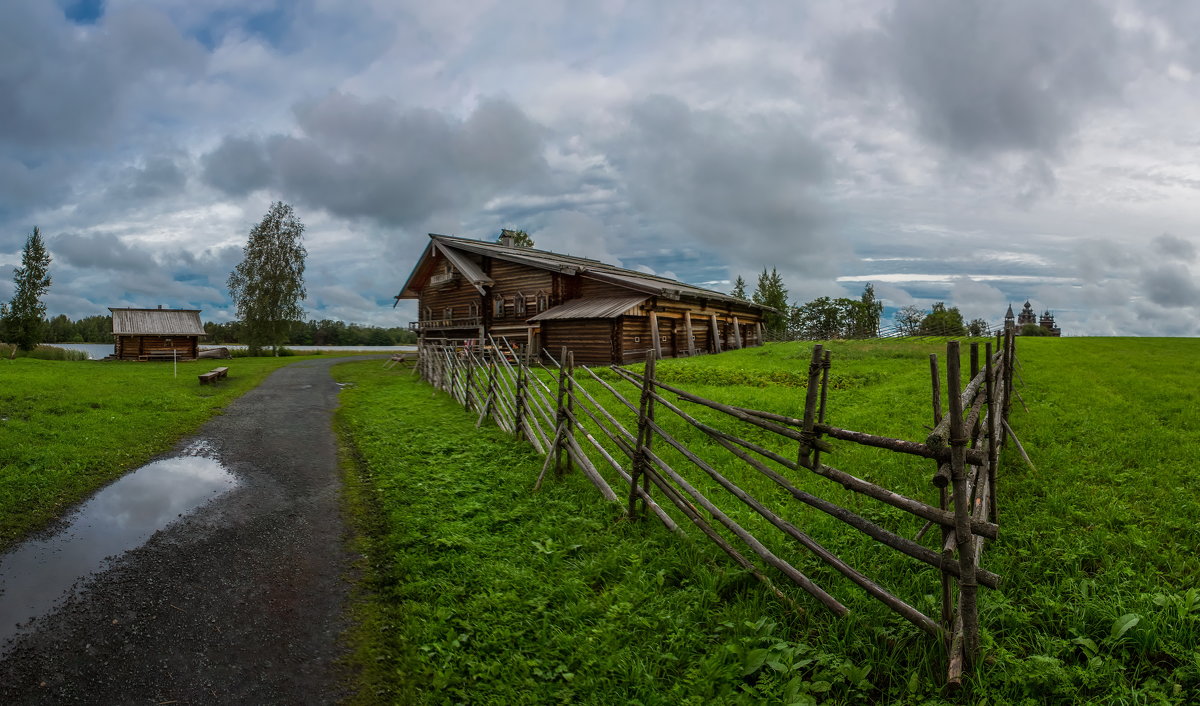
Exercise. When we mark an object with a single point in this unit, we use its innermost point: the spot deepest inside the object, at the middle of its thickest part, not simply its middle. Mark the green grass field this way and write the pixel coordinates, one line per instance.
(68, 428)
(1100, 602)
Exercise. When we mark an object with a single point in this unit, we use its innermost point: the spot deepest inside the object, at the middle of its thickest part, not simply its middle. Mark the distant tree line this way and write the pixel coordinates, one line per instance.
(941, 320)
(324, 332)
(819, 319)
(827, 318)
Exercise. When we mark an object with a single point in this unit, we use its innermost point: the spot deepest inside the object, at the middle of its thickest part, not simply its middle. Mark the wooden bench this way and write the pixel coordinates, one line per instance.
(213, 375)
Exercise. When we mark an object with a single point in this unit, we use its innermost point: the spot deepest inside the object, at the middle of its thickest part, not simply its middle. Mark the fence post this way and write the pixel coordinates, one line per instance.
(993, 440)
(519, 401)
(560, 415)
(567, 427)
(805, 457)
(974, 431)
(645, 437)
(821, 409)
(470, 362)
(963, 539)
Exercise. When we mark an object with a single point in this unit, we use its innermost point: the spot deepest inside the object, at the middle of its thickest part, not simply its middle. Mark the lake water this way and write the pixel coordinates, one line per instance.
(97, 351)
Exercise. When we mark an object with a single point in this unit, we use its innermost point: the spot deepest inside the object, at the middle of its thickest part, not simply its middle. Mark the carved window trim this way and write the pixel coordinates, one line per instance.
(520, 308)
(448, 313)
(472, 310)
(543, 301)
(498, 306)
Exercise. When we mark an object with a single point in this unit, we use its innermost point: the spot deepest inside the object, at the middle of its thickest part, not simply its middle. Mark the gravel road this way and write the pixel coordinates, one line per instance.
(243, 601)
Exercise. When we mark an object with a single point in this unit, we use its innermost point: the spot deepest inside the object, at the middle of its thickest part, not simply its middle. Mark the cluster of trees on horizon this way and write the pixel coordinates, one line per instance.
(827, 318)
(323, 332)
(266, 287)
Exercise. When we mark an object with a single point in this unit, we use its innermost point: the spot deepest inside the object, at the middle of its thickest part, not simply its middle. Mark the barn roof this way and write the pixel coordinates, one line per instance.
(156, 322)
(592, 308)
(556, 262)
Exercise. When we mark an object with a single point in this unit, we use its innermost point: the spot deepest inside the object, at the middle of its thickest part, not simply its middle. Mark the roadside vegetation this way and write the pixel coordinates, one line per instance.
(68, 428)
(480, 590)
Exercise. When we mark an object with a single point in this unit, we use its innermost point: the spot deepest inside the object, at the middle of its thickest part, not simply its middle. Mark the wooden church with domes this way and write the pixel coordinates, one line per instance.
(1028, 317)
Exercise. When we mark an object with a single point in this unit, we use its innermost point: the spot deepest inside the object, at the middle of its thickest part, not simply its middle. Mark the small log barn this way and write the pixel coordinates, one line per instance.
(467, 289)
(156, 334)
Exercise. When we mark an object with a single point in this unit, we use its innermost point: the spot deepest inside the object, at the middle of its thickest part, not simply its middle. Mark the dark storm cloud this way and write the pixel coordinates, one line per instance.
(157, 176)
(377, 160)
(1174, 247)
(1170, 285)
(750, 188)
(100, 251)
(237, 166)
(64, 86)
(984, 77)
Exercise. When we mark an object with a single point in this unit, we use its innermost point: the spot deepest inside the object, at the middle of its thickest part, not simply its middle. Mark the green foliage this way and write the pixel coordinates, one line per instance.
(268, 285)
(771, 293)
(68, 428)
(739, 288)
(908, 319)
(89, 329)
(23, 316)
(977, 328)
(1033, 330)
(520, 239)
(943, 322)
(324, 332)
(824, 319)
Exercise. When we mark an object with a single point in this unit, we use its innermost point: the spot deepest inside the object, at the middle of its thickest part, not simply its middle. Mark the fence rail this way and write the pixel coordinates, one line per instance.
(558, 409)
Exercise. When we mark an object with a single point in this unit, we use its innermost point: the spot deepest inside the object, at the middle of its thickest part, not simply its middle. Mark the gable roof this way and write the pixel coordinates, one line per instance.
(555, 262)
(156, 322)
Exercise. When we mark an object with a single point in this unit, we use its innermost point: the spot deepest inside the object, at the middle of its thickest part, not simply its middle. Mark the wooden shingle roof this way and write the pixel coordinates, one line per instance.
(556, 262)
(157, 322)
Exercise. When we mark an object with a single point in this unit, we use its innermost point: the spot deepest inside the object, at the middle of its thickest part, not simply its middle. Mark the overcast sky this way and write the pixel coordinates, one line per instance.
(979, 152)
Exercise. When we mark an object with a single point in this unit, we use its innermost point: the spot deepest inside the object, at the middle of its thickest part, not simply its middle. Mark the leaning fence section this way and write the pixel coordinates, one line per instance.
(624, 431)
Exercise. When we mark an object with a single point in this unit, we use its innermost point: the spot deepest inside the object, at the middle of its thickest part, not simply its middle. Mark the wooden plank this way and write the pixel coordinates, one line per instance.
(691, 335)
(716, 333)
(737, 334)
(654, 335)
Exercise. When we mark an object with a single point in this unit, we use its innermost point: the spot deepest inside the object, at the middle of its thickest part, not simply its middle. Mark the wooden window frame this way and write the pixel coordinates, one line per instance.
(543, 301)
(498, 306)
(520, 306)
(448, 313)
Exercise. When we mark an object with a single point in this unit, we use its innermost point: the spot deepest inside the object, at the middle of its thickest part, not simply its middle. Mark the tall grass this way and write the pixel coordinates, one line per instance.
(1100, 602)
(42, 352)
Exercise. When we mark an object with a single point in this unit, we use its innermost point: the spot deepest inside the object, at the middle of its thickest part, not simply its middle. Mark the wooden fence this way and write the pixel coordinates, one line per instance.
(557, 407)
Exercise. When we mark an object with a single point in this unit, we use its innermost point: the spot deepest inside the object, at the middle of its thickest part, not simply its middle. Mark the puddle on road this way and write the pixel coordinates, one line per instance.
(38, 575)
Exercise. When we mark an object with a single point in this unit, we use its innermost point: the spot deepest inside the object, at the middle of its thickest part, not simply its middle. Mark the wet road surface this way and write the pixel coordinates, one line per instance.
(242, 600)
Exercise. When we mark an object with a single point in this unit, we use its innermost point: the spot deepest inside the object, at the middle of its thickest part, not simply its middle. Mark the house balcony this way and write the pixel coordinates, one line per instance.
(442, 324)
(443, 279)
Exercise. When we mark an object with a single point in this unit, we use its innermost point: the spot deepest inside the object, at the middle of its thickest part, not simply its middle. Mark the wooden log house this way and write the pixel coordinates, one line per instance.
(156, 334)
(469, 289)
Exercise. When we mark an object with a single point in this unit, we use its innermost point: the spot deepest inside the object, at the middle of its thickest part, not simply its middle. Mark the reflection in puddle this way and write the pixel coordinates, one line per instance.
(37, 575)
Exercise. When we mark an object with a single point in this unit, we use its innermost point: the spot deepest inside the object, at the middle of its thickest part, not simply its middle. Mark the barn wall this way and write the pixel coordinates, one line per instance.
(591, 340)
(138, 347)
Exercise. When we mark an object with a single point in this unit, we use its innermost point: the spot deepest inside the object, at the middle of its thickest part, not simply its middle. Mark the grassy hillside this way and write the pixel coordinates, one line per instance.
(68, 428)
(1100, 601)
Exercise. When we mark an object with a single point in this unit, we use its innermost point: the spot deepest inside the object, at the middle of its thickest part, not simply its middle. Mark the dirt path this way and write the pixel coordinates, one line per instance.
(241, 602)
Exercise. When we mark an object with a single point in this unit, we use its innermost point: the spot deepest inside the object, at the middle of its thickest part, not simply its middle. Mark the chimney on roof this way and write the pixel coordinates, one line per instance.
(160, 306)
(506, 238)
